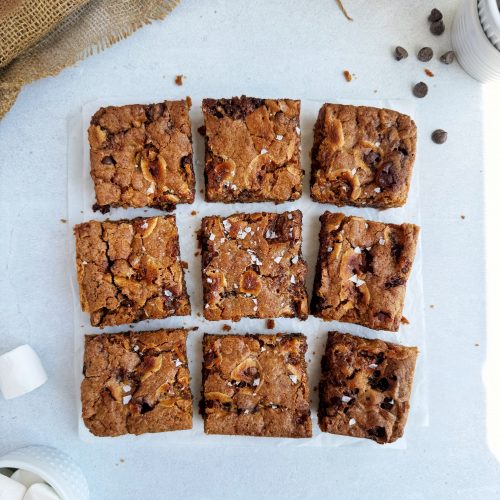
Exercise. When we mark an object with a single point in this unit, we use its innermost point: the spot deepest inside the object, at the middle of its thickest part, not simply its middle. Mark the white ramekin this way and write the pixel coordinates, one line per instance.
(489, 15)
(474, 50)
(55, 467)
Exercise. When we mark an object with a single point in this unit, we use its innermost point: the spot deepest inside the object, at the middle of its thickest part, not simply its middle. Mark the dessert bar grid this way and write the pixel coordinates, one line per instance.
(81, 198)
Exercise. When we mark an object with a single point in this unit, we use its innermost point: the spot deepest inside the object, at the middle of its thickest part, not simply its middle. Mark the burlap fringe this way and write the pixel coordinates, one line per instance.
(88, 30)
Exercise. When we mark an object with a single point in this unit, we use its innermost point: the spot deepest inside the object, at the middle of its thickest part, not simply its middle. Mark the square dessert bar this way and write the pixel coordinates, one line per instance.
(256, 385)
(136, 382)
(362, 270)
(141, 156)
(365, 387)
(252, 150)
(362, 156)
(252, 266)
(130, 270)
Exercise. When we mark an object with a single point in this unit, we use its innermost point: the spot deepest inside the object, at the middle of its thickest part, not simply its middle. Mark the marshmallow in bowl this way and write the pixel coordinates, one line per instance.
(26, 477)
(10, 489)
(41, 491)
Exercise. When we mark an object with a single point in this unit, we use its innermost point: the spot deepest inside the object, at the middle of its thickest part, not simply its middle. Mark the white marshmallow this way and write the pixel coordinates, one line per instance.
(26, 477)
(21, 371)
(41, 491)
(10, 489)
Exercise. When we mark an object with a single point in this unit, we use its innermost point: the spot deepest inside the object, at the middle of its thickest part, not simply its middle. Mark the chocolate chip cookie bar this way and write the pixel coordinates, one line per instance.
(141, 156)
(256, 385)
(136, 382)
(362, 156)
(252, 266)
(362, 270)
(130, 270)
(252, 150)
(365, 387)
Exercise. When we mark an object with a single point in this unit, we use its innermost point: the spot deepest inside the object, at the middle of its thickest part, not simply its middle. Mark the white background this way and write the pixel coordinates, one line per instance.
(294, 49)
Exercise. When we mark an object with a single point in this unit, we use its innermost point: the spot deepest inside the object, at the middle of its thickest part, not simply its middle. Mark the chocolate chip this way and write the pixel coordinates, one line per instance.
(371, 158)
(425, 54)
(420, 89)
(394, 282)
(383, 384)
(448, 57)
(437, 28)
(400, 53)
(435, 15)
(385, 176)
(108, 160)
(387, 403)
(439, 136)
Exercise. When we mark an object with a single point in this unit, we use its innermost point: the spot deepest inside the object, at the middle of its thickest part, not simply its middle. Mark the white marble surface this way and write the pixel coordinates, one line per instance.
(262, 48)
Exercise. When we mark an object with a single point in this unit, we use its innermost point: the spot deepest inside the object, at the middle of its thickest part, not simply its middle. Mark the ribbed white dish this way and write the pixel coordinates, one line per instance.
(489, 15)
(474, 50)
(55, 467)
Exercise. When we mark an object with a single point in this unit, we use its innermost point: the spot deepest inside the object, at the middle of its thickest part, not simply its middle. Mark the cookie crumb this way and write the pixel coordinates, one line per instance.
(179, 80)
(477, 345)
(270, 324)
(63, 221)
(428, 72)
(462, 217)
(194, 212)
(347, 75)
(226, 328)
(432, 306)
(404, 321)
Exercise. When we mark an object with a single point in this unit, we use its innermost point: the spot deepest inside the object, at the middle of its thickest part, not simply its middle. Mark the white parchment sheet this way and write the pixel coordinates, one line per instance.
(80, 201)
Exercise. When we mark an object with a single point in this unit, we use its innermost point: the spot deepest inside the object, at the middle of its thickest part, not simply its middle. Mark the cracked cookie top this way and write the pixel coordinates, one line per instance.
(130, 270)
(141, 156)
(365, 387)
(256, 385)
(362, 156)
(252, 150)
(136, 382)
(362, 270)
(253, 266)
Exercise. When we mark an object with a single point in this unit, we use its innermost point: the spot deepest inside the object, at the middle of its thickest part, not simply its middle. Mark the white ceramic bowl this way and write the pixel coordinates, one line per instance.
(475, 52)
(53, 466)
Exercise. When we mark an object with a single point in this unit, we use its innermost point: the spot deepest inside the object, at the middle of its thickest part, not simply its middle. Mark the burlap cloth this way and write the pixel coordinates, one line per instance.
(39, 38)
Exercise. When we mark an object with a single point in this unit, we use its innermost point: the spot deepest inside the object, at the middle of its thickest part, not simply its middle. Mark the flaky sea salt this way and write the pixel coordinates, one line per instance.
(211, 237)
(226, 224)
(377, 190)
(256, 382)
(381, 241)
(126, 399)
(126, 388)
(292, 279)
(279, 137)
(356, 280)
(263, 151)
(372, 366)
(357, 250)
(209, 280)
(168, 293)
(346, 399)
(352, 422)
(295, 259)
(178, 363)
(293, 378)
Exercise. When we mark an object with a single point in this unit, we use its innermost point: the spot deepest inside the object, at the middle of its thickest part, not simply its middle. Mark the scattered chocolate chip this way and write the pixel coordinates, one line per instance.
(428, 72)
(63, 221)
(439, 136)
(270, 324)
(435, 15)
(425, 54)
(463, 216)
(194, 212)
(437, 28)
(347, 76)
(179, 79)
(420, 90)
(202, 130)
(226, 328)
(448, 57)
(400, 53)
